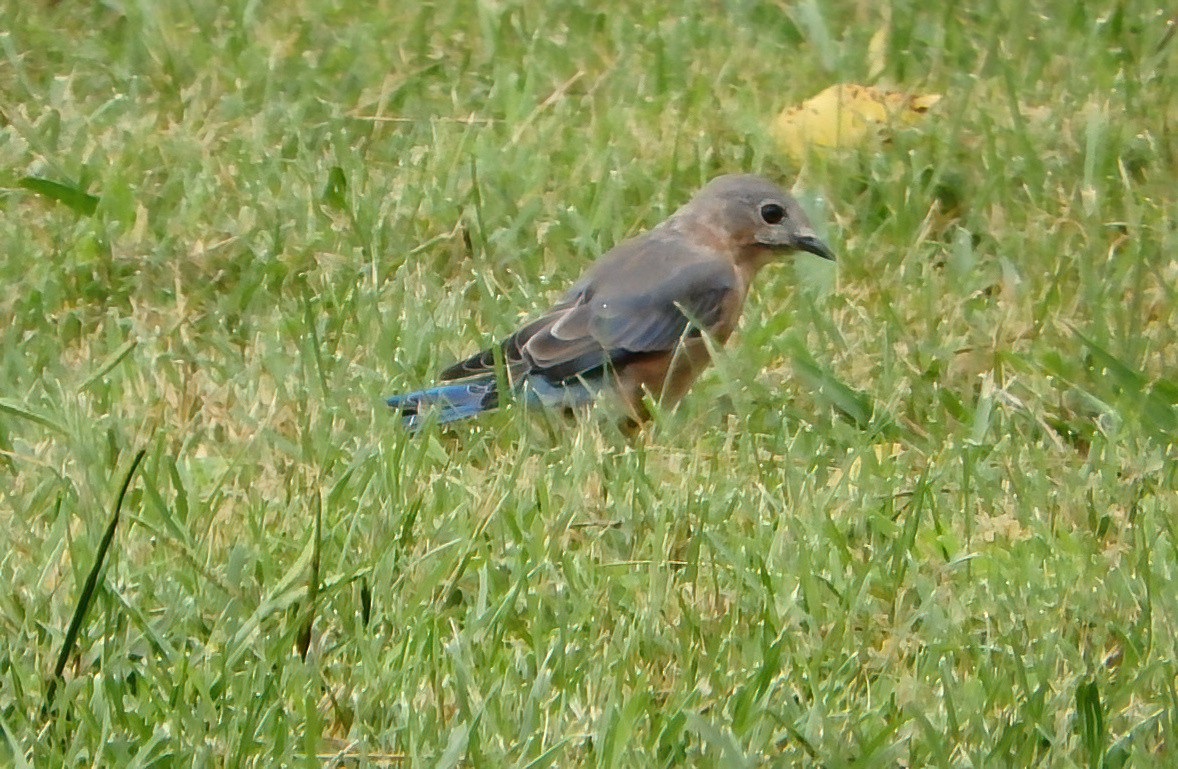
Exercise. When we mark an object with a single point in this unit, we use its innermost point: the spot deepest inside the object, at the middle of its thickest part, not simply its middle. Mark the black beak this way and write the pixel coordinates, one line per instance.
(814, 246)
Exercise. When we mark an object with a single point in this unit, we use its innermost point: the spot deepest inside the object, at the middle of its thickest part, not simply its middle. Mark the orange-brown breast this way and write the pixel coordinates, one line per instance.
(667, 376)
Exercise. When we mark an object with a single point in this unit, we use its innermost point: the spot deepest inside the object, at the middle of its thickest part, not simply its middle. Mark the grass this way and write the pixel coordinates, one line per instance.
(921, 514)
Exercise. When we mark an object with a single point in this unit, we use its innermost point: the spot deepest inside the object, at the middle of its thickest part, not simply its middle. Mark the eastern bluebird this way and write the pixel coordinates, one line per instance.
(634, 323)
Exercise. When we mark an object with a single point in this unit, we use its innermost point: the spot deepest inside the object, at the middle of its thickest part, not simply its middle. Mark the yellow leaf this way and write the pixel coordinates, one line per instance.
(877, 50)
(845, 115)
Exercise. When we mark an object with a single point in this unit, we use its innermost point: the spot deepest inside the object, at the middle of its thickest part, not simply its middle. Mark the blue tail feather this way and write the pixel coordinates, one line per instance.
(462, 400)
(449, 403)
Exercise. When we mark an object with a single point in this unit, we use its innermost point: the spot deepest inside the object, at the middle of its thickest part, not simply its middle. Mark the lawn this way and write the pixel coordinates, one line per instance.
(922, 513)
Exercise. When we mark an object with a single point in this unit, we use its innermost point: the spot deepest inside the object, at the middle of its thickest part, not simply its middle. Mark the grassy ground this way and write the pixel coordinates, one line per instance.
(924, 513)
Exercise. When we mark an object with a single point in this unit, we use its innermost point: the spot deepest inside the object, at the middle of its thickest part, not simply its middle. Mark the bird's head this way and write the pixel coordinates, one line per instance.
(754, 214)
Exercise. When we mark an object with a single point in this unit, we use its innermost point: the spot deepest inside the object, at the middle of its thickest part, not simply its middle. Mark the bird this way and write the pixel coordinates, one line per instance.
(637, 323)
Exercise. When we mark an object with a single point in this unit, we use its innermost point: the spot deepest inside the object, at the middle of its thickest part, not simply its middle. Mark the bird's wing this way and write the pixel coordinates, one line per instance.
(641, 297)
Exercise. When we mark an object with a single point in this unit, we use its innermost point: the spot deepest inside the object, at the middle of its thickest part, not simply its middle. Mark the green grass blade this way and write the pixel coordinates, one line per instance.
(67, 194)
(16, 410)
(88, 587)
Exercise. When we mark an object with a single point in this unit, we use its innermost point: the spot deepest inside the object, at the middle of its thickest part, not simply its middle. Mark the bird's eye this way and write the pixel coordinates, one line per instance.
(772, 213)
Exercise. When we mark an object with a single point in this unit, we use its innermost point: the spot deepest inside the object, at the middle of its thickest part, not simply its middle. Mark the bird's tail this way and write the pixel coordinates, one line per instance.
(449, 402)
